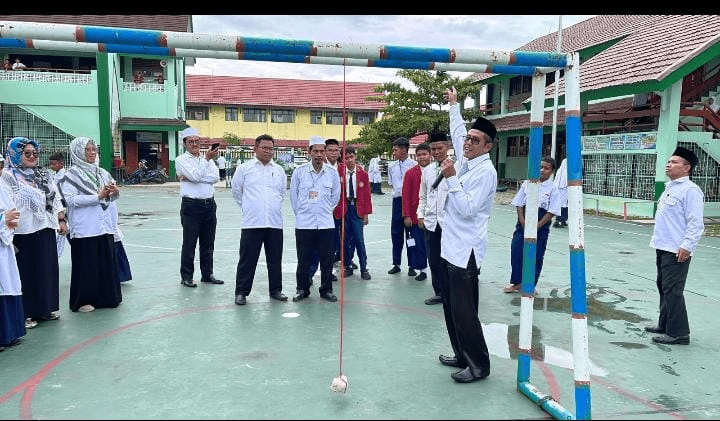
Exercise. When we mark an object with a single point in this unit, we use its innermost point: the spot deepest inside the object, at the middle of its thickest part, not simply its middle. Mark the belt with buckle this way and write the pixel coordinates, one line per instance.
(199, 201)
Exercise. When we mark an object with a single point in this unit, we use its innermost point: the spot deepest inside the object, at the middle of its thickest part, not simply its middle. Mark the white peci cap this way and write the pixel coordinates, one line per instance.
(316, 140)
(190, 131)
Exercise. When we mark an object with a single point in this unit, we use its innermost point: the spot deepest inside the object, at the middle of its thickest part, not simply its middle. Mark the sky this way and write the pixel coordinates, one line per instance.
(484, 32)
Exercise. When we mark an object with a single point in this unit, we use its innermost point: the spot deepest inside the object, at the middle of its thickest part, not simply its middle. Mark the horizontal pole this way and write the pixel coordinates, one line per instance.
(288, 58)
(189, 40)
(546, 402)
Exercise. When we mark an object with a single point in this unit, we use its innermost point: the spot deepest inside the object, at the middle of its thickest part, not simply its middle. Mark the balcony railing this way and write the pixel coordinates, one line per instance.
(144, 87)
(82, 77)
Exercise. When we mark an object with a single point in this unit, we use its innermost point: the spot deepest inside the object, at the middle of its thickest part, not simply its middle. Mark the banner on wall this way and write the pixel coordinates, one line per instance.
(620, 142)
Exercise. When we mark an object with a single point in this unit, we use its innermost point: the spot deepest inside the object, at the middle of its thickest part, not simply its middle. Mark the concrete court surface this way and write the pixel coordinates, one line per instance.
(170, 352)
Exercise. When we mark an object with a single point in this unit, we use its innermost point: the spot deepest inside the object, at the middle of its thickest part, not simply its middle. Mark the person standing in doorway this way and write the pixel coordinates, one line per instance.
(396, 174)
(197, 175)
(258, 187)
(678, 228)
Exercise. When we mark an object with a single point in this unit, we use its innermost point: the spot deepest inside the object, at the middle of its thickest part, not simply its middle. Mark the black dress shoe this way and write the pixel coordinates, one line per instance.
(450, 361)
(240, 300)
(329, 296)
(348, 271)
(467, 376)
(412, 272)
(365, 275)
(672, 340)
(436, 299)
(212, 280)
(353, 265)
(278, 296)
(301, 295)
(188, 283)
(394, 270)
(332, 276)
(654, 329)
(421, 277)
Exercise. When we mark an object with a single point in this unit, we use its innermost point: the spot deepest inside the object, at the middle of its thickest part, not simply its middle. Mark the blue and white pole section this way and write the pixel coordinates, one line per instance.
(167, 39)
(530, 233)
(284, 58)
(576, 239)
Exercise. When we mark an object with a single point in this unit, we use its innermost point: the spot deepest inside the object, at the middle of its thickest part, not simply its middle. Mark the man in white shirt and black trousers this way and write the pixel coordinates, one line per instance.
(471, 182)
(197, 175)
(678, 228)
(258, 187)
(314, 193)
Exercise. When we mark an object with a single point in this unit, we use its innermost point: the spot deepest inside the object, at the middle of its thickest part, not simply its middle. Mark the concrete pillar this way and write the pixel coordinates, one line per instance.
(667, 134)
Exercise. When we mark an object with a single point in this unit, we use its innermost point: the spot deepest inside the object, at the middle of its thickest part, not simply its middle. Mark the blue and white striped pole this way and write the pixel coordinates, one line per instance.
(286, 58)
(576, 239)
(151, 38)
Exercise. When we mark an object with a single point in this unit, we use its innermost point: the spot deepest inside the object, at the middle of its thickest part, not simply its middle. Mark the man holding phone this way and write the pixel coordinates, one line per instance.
(197, 175)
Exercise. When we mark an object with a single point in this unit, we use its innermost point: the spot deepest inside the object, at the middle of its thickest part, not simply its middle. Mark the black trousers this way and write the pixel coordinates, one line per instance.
(460, 305)
(37, 263)
(251, 240)
(307, 241)
(398, 232)
(671, 277)
(199, 222)
(438, 266)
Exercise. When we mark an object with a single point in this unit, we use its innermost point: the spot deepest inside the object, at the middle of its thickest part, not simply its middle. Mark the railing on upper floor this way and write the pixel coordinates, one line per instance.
(47, 75)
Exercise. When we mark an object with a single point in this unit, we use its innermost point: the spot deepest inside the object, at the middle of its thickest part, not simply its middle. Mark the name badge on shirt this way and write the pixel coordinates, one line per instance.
(312, 197)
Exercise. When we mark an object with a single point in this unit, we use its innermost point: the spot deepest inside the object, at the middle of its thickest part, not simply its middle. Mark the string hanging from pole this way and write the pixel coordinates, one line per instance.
(340, 383)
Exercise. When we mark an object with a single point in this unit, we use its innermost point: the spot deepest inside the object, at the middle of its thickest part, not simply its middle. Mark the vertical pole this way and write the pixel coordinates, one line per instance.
(104, 111)
(576, 239)
(531, 212)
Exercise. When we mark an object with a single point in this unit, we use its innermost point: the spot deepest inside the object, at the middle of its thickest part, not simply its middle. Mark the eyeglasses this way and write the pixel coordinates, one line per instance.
(192, 142)
(28, 154)
(266, 148)
(473, 140)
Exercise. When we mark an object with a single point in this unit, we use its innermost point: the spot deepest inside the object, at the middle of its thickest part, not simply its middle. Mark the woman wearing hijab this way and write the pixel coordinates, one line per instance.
(12, 316)
(89, 191)
(41, 215)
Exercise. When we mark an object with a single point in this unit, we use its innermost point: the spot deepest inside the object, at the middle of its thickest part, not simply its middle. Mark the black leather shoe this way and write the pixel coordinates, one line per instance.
(394, 270)
(240, 300)
(412, 272)
(436, 299)
(212, 280)
(365, 275)
(333, 277)
(188, 283)
(467, 376)
(421, 277)
(348, 271)
(278, 296)
(301, 295)
(450, 361)
(654, 329)
(672, 340)
(353, 265)
(329, 296)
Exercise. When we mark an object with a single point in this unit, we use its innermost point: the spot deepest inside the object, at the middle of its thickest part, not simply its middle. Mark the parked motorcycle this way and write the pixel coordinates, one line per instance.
(143, 175)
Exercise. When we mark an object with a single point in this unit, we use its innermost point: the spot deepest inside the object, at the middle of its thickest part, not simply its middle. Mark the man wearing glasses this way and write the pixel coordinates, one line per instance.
(258, 187)
(472, 182)
(197, 175)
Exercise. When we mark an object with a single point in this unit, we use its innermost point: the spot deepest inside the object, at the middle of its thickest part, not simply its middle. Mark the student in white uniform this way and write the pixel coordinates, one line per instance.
(548, 206)
(12, 316)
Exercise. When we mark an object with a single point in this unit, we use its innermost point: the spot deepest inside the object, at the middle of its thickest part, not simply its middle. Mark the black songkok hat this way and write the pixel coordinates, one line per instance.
(438, 137)
(485, 126)
(402, 142)
(686, 154)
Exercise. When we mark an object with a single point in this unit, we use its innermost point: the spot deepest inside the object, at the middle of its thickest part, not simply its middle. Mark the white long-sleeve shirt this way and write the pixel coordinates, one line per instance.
(396, 174)
(200, 176)
(548, 196)
(86, 215)
(259, 190)
(314, 195)
(679, 217)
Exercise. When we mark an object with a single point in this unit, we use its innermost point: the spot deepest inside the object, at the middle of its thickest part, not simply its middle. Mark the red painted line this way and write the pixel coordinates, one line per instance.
(551, 380)
(629, 395)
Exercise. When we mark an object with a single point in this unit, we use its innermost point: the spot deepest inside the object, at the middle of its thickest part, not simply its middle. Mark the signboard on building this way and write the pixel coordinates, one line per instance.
(620, 142)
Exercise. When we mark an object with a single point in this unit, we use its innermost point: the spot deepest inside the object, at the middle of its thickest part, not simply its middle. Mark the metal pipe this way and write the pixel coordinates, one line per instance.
(546, 402)
(576, 239)
(168, 39)
(555, 94)
(288, 58)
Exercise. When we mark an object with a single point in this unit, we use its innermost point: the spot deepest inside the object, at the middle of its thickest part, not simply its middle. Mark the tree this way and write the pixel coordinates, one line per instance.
(409, 112)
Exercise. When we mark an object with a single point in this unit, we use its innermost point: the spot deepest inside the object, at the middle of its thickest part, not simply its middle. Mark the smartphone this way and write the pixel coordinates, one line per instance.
(215, 145)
